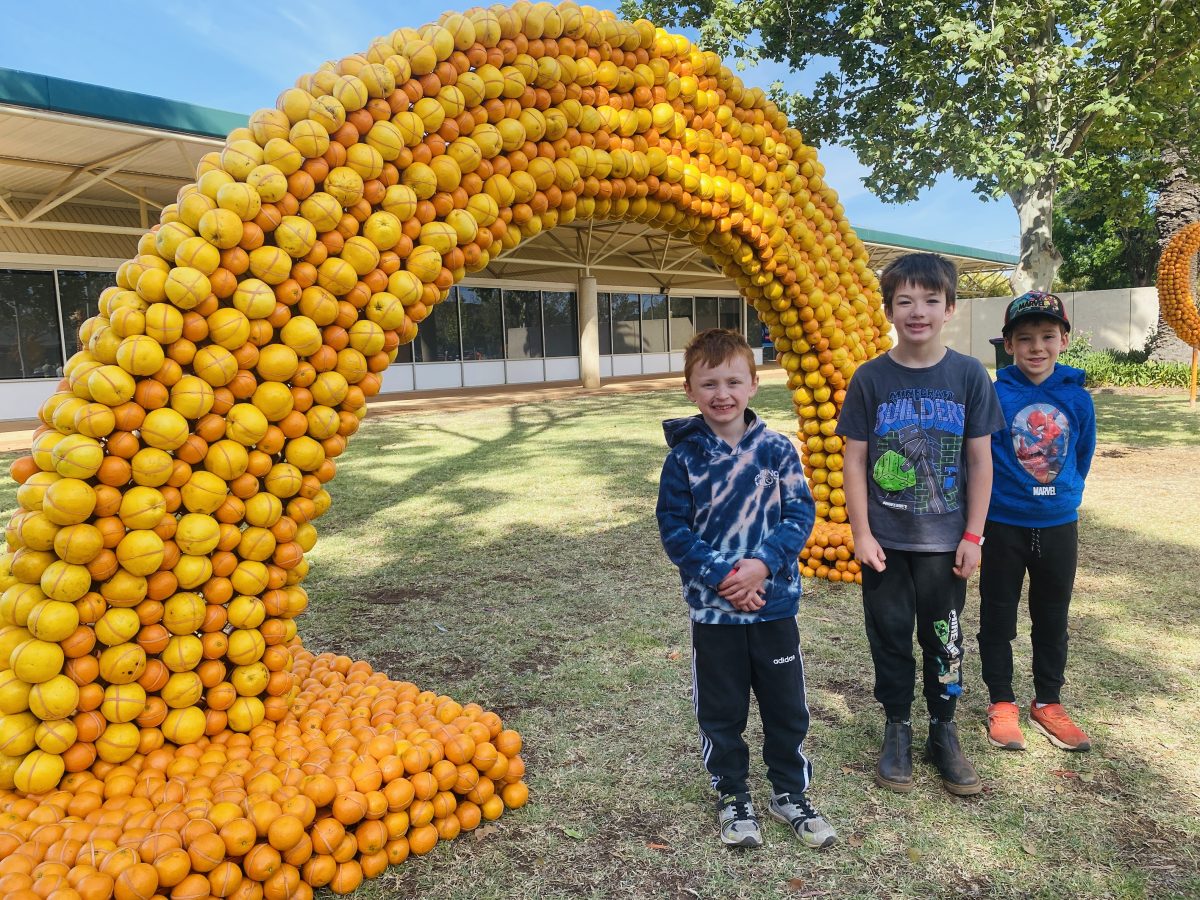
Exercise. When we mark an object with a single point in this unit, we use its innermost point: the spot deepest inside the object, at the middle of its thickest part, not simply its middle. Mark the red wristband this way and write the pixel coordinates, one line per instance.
(973, 538)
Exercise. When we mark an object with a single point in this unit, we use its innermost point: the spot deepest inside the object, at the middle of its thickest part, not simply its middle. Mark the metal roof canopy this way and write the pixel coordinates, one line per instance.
(66, 145)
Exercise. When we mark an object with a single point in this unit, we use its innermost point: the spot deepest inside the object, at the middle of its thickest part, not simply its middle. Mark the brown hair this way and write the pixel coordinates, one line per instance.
(924, 270)
(714, 347)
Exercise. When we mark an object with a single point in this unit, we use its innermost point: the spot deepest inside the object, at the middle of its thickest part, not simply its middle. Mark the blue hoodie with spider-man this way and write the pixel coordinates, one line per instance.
(1041, 457)
(719, 504)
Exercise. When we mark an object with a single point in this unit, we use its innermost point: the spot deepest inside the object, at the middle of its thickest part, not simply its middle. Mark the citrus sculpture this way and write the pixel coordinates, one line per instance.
(163, 730)
(1176, 275)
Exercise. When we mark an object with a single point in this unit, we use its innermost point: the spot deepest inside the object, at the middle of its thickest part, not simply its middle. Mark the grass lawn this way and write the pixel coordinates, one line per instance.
(510, 556)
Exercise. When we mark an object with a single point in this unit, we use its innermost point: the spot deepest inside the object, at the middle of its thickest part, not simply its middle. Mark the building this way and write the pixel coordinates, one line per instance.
(84, 171)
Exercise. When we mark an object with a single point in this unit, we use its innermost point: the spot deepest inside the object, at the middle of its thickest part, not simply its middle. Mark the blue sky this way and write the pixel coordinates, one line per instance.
(239, 56)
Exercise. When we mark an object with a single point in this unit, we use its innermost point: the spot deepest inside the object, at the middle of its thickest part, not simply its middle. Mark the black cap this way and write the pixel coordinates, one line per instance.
(1035, 303)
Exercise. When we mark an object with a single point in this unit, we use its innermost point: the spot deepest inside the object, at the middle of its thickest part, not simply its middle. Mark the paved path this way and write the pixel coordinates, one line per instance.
(16, 435)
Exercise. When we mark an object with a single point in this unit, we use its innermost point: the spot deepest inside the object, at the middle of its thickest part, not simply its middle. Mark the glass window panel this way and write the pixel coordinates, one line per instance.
(604, 314)
(523, 324)
(78, 294)
(654, 323)
(756, 331)
(706, 313)
(682, 323)
(482, 323)
(438, 335)
(627, 337)
(30, 345)
(729, 313)
(561, 323)
(404, 353)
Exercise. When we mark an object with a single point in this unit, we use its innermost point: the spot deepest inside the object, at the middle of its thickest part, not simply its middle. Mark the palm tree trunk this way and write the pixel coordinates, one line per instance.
(1178, 205)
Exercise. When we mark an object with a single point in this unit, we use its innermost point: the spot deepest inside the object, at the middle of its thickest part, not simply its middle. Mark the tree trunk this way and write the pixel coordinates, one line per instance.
(1039, 259)
(1178, 205)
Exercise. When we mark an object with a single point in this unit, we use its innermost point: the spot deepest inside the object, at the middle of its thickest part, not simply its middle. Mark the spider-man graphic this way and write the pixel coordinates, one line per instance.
(1040, 434)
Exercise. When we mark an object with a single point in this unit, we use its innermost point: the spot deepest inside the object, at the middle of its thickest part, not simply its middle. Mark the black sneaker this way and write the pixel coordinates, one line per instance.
(737, 821)
(810, 826)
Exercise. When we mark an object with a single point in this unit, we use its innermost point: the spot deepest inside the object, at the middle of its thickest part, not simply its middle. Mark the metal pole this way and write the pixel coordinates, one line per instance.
(1192, 389)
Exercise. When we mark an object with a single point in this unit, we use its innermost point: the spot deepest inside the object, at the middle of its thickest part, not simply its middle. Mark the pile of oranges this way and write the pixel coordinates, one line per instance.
(148, 648)
(830, 554)
(362, 773)
(1176, 275)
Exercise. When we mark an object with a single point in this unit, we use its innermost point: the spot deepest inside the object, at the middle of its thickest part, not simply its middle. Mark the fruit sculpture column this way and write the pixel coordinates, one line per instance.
(163, 727)
(1176, 274)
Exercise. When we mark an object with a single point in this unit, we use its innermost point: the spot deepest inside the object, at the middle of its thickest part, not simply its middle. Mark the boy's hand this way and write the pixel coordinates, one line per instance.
(966, 559)
(869, 553)
(743, 586)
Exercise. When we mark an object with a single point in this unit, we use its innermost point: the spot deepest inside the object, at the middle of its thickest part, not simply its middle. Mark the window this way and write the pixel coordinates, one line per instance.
(30, 335)
(482, 323)
(437, 336)
(523, 324)
(78, 294)
(729, 313)
(706, 313)
(654, 323)
(756, 331)
(561, 323)
(604, 315)
(682, 325)
(626, 324)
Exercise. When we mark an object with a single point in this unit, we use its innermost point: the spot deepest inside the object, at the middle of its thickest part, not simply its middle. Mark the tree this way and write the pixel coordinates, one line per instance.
(1005, 95)
(1178, 205)
(1104, 228)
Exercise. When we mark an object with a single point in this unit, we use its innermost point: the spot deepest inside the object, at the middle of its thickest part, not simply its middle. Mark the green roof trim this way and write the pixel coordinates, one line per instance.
(79, 99)
(911, 243)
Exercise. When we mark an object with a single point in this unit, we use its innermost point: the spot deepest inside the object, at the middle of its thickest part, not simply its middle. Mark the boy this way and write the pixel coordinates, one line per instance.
(1040, 460)
(734, 512)
(918, 422)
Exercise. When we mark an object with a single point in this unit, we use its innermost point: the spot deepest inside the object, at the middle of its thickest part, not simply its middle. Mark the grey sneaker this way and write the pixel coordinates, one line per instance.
(739, 825)
(810, 826)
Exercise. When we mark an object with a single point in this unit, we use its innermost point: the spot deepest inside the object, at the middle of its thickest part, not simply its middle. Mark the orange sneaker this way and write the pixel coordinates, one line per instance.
(1004, 729)
(1052, 721)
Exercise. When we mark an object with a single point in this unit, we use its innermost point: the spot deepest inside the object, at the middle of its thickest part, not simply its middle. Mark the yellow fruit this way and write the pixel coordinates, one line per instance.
(14, 693)
(38, 772)
(118, 742)
(183, 726)
(122, 664)
(17, 733)
(56, 698)
(36, 661)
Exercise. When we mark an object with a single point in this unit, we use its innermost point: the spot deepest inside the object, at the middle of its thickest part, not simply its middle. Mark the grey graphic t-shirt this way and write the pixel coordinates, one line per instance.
(914, 422)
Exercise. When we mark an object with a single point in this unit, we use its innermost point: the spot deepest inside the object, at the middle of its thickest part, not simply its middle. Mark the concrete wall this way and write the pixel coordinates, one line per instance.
(1119, 319)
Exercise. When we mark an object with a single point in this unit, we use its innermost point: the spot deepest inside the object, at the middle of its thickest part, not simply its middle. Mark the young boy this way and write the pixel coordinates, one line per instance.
(1040, 460)
(734, 512)
(917, 468)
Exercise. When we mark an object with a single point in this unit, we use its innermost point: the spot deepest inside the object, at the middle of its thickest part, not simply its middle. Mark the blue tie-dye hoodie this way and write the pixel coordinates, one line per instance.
(717, 505)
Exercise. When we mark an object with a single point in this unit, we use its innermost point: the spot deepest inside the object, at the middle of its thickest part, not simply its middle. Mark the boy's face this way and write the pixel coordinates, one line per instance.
(722, 393)
(919, 314)
(1035, 346)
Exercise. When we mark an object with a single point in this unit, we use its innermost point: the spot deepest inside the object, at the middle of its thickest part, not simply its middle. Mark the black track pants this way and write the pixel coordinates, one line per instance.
(921, 590)
(1049, 555)
(728, 661)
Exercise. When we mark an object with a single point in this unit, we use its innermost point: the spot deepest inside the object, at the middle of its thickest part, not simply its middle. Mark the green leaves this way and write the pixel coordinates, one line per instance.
(1003, 95)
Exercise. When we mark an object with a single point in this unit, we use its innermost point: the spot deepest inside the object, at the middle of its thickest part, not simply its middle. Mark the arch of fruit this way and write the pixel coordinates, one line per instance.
(162, 729)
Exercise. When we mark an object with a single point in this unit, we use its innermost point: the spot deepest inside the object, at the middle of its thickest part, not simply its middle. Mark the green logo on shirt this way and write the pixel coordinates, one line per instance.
(892, 472)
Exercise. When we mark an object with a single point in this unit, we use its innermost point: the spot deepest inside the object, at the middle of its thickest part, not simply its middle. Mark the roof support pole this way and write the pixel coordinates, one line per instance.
(589, 330)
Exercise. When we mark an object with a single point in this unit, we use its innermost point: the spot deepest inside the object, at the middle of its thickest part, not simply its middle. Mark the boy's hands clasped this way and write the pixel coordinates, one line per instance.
(743, 586)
